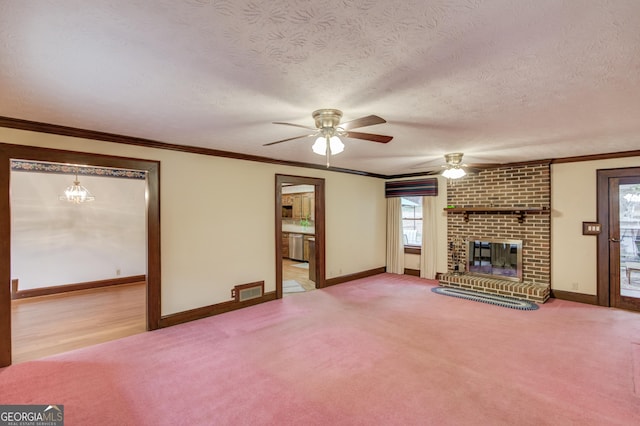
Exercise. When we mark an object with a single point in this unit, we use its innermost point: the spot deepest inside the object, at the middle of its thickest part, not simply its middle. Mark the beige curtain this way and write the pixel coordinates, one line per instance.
(429, 252)
(395, 240)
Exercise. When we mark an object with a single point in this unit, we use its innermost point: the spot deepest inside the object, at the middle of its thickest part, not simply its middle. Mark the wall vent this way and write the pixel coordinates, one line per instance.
(249, 291)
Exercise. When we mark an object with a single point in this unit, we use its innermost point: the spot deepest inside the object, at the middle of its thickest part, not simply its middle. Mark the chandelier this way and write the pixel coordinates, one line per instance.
(76, 193)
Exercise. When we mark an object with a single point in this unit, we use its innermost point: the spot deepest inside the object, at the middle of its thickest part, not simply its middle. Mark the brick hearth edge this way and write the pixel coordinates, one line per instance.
(534, 292)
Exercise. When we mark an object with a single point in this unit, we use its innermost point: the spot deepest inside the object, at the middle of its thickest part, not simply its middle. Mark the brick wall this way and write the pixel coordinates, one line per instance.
(522, 186)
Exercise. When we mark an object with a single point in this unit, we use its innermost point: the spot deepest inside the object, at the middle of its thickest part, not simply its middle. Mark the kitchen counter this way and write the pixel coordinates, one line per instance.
(298, 229)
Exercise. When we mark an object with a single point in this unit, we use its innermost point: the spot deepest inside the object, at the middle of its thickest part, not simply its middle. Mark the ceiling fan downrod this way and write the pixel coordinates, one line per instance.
(328, 152)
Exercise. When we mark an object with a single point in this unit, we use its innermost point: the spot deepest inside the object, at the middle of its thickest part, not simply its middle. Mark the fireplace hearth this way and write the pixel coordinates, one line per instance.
(495, 266)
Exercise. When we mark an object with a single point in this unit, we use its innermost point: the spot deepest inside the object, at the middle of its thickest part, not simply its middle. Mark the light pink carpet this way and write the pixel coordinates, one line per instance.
(383, 350)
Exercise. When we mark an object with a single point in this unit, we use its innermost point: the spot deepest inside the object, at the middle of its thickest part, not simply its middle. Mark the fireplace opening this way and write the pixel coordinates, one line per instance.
(495, 258)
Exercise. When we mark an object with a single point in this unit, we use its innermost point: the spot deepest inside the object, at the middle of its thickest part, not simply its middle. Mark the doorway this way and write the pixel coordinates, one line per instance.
(151, 168)
(75, 255)
(316, 254)
(619, 241)
(298, 238)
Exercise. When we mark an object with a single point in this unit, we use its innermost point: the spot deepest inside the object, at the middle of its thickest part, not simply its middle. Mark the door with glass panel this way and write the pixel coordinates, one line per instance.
(624, 242)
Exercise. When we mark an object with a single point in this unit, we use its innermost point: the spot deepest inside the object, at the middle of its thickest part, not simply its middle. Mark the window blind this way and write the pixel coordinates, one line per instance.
(409, 188)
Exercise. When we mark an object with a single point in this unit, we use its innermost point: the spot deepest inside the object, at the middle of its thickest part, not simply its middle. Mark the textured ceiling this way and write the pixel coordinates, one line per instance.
(501, 80)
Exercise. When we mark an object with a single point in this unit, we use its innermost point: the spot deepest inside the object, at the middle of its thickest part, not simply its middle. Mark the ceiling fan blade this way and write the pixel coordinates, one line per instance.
(286, 140)
(428, 167)
(294, 125)
(369, 137)
(369, 120)
(478, 167)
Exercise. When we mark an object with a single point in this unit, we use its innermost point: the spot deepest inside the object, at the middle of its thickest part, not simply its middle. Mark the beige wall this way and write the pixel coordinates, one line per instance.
(573, 201)
(216, 236)
(217, 219)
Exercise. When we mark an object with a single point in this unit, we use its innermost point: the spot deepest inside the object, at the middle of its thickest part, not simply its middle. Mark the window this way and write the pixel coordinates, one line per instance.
(412, 221)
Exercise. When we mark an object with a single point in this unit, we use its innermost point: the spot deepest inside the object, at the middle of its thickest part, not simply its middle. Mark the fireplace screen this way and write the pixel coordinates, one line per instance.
(500, 259)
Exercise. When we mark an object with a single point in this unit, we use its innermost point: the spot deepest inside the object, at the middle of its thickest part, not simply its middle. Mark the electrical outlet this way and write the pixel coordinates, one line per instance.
(118, 272)
(574, 286)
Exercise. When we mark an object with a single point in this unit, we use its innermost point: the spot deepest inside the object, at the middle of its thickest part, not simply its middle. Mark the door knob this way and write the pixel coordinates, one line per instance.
(614, 240)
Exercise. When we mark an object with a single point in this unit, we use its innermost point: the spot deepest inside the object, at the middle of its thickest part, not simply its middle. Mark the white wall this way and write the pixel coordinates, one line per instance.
(573, 201)
(54, 242)
(218, 219)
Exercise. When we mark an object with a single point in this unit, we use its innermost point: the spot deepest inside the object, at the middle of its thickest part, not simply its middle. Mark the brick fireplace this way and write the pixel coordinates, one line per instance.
(511, 203)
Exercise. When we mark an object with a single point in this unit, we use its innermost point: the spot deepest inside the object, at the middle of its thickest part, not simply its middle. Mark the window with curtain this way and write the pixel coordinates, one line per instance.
(412, 221)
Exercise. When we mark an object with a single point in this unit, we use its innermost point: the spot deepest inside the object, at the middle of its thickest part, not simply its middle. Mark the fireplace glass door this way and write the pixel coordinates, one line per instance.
(495, 258)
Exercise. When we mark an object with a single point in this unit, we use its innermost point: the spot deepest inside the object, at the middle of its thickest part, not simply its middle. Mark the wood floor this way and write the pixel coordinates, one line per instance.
(290, 272)
(48, 325)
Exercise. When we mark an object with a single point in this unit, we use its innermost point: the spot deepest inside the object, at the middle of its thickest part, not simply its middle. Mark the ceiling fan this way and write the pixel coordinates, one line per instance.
(454, 168)
(328, 131)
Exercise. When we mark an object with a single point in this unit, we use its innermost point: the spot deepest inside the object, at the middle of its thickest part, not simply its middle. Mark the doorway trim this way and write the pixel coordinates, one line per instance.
(22, 152)
(604, 252)
(319, 195)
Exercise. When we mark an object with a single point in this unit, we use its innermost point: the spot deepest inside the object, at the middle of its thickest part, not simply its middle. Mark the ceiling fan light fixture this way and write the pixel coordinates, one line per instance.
(335, 145)
(328, 127)
(454, 163)
(453, 173)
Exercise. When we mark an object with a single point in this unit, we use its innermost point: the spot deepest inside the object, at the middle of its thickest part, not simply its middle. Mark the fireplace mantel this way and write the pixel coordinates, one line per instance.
(518, 211)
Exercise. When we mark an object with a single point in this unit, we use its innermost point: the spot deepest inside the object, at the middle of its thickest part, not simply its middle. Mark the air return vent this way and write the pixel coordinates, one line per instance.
(248, 291)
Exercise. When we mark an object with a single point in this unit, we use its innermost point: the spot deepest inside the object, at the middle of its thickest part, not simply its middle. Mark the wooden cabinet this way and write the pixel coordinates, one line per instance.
(287, 200)
(302, 205)
(312, 258)
(285, 245)
(297, 206)
(308, 203)
(305, 254)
